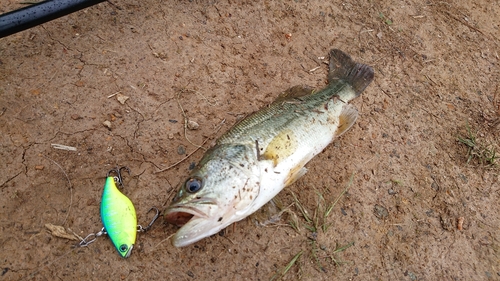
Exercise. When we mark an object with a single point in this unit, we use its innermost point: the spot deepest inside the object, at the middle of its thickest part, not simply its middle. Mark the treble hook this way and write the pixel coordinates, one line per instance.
(144, 229)
(118, 178)
(85, 243)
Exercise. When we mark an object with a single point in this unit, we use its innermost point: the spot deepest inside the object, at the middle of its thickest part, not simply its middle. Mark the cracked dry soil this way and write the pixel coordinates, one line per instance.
(415, 209)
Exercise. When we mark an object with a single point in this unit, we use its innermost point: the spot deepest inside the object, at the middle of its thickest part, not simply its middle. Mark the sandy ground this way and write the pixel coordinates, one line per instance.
(414, 210)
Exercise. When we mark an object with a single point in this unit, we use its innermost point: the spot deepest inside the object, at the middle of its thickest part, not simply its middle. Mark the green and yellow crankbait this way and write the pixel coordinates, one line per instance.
(118, 216)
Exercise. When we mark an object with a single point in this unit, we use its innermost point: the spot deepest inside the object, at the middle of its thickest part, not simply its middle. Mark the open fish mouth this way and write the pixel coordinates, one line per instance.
(180, 214)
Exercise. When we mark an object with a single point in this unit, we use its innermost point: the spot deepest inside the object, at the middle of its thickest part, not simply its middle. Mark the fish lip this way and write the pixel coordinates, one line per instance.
(188, 208)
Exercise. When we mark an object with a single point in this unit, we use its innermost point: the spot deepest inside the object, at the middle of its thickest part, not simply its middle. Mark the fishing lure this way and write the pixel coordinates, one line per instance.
(118, 216)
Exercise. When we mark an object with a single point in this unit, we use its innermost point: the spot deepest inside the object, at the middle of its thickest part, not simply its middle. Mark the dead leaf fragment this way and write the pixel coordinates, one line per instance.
(76, 116)
(59, 231)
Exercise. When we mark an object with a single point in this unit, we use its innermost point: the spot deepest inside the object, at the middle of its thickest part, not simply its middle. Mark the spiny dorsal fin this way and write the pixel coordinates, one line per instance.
(342, 67)
(294, 92)
(347, 118)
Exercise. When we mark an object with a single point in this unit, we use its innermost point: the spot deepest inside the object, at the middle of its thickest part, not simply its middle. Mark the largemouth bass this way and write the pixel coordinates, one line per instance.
(265, 152)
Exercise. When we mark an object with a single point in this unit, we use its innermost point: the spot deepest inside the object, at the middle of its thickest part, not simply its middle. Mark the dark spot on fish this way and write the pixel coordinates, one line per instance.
(258, 183)
(265, 170)
(277, 173)
(251, 197)
(220, 219)
(242, 165)
(198, 197)
(243, 189)
(234, 186)
(288, 137)
(236, 197)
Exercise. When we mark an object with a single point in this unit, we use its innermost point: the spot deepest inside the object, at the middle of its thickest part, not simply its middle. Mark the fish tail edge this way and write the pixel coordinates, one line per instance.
(342, 67)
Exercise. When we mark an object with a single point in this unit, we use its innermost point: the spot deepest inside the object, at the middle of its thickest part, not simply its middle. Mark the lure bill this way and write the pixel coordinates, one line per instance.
(118, 215)
(266, 152)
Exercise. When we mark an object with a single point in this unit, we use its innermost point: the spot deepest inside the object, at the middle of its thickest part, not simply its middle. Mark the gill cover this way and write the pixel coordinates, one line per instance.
(118, 217)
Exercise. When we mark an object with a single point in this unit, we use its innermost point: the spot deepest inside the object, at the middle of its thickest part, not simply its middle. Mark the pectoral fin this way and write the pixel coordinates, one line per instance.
(347, 118)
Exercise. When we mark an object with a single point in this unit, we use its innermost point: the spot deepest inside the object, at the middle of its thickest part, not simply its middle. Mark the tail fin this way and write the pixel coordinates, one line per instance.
(342, 67)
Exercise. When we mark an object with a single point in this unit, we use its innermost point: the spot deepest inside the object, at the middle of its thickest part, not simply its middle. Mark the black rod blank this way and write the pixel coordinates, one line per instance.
(39, 13)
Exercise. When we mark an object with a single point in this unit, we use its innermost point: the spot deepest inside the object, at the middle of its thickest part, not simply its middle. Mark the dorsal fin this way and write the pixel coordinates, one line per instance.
(294, 92)
(342, 67)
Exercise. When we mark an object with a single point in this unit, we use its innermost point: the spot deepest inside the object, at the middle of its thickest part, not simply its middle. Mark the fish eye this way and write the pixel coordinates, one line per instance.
(123, 248)
(193, 185)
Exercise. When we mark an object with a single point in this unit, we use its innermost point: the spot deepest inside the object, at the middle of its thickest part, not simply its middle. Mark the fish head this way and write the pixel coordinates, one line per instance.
(214, 195)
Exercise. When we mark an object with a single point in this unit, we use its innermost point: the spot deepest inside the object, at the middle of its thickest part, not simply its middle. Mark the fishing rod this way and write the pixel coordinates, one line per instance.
(33, 15)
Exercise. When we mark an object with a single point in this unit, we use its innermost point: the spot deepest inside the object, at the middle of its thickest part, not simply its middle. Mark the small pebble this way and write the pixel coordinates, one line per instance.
(39, 167)
(170, 136)
(192, 125)
(76, 117)
(391, 191)
(192, 165)
(380, 212)
(460, 223)
(181, 150)
(107, 124)
(122, 98)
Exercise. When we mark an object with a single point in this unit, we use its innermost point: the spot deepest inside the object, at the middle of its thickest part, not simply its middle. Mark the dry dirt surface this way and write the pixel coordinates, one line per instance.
(118, 81)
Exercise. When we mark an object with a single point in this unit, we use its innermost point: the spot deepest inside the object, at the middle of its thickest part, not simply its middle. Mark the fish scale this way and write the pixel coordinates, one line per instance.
(265, 152)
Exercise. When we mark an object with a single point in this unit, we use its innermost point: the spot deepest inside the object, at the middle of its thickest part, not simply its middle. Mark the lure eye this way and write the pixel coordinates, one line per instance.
(123, 248)
(193, 185)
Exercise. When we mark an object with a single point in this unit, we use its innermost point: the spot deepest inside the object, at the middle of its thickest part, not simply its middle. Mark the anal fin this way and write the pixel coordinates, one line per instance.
(293, 176)
(347, 118)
